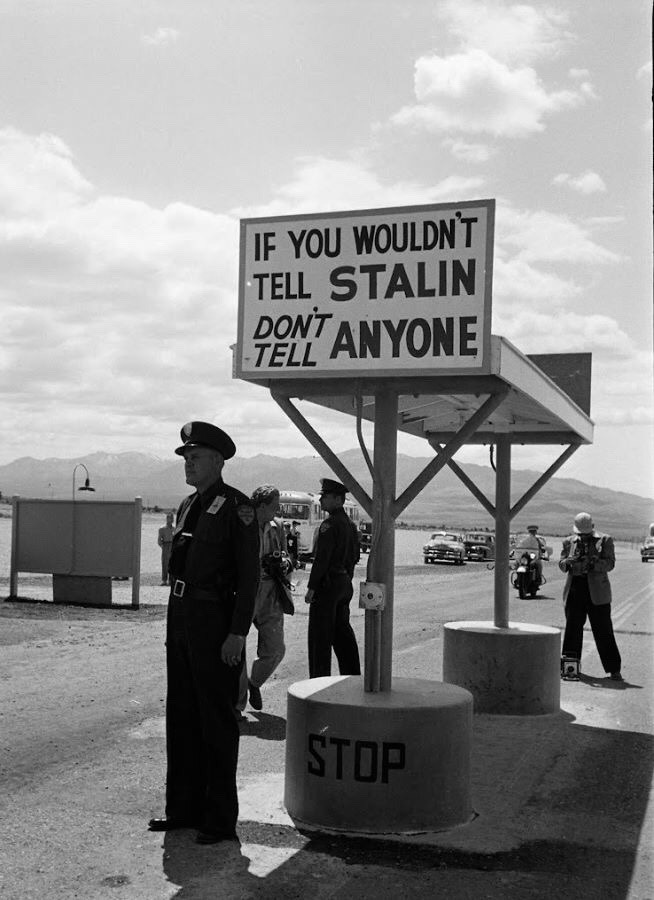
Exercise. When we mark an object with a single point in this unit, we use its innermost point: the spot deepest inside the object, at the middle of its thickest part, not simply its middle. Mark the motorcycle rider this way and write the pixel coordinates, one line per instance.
(536, 542)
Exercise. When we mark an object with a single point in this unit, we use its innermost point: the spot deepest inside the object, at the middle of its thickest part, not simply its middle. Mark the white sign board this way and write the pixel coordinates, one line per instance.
(366, 293)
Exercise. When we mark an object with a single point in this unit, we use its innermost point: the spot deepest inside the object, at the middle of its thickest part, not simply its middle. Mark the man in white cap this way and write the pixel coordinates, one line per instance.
(587, 556)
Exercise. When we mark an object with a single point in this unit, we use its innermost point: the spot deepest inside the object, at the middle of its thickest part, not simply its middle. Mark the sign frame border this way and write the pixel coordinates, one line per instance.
(266, 378)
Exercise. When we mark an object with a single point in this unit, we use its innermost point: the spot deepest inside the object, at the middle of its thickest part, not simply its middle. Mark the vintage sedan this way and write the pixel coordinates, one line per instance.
(479, 545)
(444, 546)
(647, 550)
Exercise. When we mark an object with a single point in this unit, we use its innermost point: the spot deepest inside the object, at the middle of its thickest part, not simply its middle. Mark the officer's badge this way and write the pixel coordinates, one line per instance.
(215, 506)
(187, 429)
(245, 514)
(324, 527)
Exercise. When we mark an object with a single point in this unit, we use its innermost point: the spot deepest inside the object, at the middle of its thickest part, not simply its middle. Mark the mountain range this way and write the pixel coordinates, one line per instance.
(445, 500)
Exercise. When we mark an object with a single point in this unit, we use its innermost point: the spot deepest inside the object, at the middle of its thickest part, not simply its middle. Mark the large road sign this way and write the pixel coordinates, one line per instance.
(364, 293)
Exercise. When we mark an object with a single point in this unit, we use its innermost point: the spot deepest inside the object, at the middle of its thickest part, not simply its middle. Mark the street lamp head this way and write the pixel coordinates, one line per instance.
(87, 483)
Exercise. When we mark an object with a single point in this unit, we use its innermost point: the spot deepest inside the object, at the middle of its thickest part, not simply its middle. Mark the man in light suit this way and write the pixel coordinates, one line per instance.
(587, 556)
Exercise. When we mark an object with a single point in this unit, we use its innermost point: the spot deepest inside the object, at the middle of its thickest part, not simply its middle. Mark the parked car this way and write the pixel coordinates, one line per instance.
(365, 536)
(479, 545)
(444, 546)
(647, 550)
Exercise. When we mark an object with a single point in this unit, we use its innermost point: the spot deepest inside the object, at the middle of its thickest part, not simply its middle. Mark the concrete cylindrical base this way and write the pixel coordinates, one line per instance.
(379, 763)
(511, 671)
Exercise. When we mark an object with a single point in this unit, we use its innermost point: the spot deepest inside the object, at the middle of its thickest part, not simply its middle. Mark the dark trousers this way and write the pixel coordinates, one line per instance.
(202, 734)
(329, 626)
(165, 559)
(578, 606)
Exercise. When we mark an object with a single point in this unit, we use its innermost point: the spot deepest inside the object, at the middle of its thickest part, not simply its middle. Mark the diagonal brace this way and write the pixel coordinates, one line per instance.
(544, 478)
(326, 452)
(455, 443)
(469, 483)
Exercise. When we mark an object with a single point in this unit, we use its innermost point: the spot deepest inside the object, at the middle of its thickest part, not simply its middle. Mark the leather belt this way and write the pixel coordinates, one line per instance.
(182, 589)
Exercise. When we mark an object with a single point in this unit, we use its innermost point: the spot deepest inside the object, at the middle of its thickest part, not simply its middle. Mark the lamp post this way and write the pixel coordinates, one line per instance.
(87, 484)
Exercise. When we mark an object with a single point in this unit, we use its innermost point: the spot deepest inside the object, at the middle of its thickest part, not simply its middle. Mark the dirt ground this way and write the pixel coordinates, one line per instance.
(562, 802)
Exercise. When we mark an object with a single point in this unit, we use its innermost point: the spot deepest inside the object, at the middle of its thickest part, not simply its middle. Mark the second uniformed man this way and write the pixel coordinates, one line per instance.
(214, 569)
(330, 588)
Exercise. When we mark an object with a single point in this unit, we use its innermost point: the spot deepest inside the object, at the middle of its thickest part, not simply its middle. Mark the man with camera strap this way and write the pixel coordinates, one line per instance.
(271, 601)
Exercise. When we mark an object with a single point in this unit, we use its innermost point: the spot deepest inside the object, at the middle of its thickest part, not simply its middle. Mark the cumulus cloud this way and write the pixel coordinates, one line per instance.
(586, 183)
(340, 184)
(162, 37)
(38, 177)
(488, 83)
(516, 278)
(474, 93)
(469, 152)
(108, 304)
(579, 74)
(530, 248)
(565, 332)
(513, 33)
(543, 236)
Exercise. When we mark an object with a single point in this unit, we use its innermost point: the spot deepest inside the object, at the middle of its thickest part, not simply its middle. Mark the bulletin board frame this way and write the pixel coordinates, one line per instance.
(76, 538)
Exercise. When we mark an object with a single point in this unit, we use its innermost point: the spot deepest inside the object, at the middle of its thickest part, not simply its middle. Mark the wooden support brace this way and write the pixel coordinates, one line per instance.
(544, 478)
(457, 441)
(326, 452)
(469, 483)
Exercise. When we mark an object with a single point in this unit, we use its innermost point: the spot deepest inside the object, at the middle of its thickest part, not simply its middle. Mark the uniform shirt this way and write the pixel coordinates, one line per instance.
(337, 549)
(532, 542)
(216, 547)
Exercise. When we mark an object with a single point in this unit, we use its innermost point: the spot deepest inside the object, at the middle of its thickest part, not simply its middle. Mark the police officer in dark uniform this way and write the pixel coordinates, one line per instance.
(214, 573)
(330, 588)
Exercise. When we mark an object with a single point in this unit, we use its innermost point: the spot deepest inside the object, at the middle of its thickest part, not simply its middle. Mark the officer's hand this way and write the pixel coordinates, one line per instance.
(232, 649)
(308, 597)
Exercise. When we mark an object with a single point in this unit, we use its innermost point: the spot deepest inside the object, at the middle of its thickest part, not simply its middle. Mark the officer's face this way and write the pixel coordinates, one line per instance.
(202, 467)
(330, 502)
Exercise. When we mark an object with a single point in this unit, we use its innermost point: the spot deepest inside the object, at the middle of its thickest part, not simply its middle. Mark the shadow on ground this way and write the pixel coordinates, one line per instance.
(560, 806)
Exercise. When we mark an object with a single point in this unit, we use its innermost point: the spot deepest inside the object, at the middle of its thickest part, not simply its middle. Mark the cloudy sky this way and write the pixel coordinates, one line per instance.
(133, 136)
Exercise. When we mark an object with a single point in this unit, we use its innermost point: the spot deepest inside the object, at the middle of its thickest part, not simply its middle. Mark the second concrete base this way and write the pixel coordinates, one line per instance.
(511, 671)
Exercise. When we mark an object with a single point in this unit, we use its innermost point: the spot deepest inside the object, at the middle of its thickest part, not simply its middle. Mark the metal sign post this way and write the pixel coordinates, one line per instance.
(379, 624)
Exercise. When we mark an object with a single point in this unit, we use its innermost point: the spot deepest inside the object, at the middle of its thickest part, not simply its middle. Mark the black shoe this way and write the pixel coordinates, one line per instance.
(616, 676)
(170, 823)
(255, 696)
(215, 837)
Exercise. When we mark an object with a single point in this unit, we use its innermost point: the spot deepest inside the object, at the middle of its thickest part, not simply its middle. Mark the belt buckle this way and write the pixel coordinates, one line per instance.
(179, 587)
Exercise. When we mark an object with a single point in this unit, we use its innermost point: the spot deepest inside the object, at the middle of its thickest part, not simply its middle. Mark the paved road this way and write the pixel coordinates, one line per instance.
(562, 801)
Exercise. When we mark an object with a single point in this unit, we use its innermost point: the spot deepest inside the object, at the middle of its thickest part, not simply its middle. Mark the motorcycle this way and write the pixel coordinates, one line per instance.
(525, 577)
